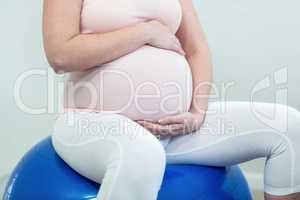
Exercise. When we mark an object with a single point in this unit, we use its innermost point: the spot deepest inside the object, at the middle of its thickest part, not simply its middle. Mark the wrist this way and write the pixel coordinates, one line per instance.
(196, 110)
(199, 115)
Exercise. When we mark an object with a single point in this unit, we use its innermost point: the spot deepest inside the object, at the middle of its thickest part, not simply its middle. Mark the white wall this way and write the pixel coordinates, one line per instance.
(20, 50)
(249, 40)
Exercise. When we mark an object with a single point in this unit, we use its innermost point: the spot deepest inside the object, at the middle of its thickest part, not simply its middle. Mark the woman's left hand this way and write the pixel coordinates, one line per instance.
(175, 125)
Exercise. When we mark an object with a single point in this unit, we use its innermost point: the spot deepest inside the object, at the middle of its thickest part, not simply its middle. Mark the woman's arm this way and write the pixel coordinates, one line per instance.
(195, 45)
(67, 50)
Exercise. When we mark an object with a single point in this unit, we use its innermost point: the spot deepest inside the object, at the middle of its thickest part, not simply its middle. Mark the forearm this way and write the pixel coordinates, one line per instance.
(201, 67)
(85, 51)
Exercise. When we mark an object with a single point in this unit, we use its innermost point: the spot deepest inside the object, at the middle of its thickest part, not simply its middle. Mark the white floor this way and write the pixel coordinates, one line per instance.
(255, 182)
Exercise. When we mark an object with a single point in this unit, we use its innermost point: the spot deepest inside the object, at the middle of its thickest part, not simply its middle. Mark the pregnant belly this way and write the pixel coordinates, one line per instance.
(148, 83)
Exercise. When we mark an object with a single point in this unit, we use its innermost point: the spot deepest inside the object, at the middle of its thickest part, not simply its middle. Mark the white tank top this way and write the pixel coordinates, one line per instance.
(148, 83)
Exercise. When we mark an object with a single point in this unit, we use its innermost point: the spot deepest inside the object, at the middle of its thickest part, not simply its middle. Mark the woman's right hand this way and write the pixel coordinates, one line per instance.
(162, 37)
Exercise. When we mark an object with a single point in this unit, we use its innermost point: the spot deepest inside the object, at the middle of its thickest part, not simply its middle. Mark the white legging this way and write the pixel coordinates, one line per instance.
(129, 161)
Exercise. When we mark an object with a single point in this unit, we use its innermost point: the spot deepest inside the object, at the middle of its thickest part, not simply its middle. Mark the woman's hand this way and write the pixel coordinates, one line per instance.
(175, 125)
(162, 37)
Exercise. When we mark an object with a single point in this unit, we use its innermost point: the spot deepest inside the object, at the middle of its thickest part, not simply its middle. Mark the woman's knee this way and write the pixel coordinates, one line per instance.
(290, 120)
(145, 160)
(279, 117)
(150, 153)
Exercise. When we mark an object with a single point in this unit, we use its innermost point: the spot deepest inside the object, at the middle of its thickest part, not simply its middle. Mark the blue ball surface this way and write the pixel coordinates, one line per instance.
(42, 174)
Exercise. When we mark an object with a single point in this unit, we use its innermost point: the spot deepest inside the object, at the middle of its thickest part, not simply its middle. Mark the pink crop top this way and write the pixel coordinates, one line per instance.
(148, 83)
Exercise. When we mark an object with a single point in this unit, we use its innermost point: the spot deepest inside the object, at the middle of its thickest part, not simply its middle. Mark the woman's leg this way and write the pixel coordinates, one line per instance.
(111, 149)
(234, 132)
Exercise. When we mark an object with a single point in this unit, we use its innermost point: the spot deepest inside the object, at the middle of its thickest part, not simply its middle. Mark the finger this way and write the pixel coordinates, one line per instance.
(148, 124)
(156, 128)
(163, 130)
(141, 122)
(176, 129)
(175, 44)
(168, 130)
(181, 51)
(177, 47)
(145, 122)
(176, 119)
(158, 131)
(176, 126)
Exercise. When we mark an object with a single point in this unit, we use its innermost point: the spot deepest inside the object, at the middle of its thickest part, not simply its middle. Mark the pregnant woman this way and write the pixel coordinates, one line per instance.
(136, 98)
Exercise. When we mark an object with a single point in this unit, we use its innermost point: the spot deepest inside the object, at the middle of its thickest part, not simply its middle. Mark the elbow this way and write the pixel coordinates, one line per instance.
(64, 63)
(56, 59)
(59, 64)
(57, 67)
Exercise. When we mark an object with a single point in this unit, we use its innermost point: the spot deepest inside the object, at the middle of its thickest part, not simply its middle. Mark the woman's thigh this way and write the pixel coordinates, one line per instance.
(233, 132)
(91, 143)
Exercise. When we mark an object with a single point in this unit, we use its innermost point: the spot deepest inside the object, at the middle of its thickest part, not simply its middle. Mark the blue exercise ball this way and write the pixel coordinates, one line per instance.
(41, 174)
